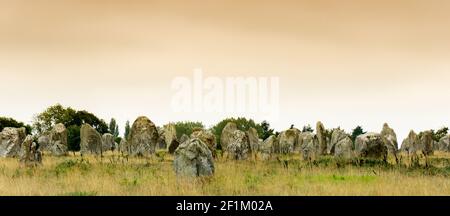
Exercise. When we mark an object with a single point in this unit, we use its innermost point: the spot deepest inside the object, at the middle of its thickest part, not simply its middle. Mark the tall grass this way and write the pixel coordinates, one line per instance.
(115, 175)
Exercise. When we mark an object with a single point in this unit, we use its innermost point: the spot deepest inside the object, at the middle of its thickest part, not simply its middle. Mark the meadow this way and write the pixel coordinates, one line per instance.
(121, 176)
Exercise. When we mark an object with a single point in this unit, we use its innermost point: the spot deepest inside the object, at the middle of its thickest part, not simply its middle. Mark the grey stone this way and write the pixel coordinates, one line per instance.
(288, 141)
(107, 142)
(321, 138)
(30, 154)
(411, 143)
(58, 145)
(371, 145)
(309, 145)
(253, 139)
(227, 134)
(11, 140)
(238, 148)
(91, 140)
(143, 137)
(207, 137)
(193, 159)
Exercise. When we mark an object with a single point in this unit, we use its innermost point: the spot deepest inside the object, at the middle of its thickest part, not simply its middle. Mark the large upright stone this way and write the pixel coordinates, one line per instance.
(336, 136)
(344, 148)
(309, 145)
(426, 143)
(444, 144)
(123, 145)
(288, 141)
(143, 137)
(321, 138)
(227, 134)
(44, 141)
(411, 143)
(267, 148)
(238, 148)
(253, 139)
(30, 154)
(207, 137)
(193, 159)
(90, 140)
(11, 140)
(170, 137)
(58, 144)
(371, 145)
(389, 139)
(108, 142)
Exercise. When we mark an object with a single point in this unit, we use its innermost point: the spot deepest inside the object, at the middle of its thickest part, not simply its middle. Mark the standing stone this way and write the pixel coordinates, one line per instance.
(143, 137)
(227, 134)
(207, 137)
(426, 143)
(267, 148)
(343, 149)
(253, 139)
(288, 141)
(44, 142)
(107, 142)
(371, 145)
(58, 140)
(123, 146)
(184, 138)
(444, 144)
(11, 140)
(322, 138)
(336, 136)
(238, 148)
(91, 140)
(309, 145)
(411, 143)
(170, 138)
(30, 154)
(389, 139)
(193, 159)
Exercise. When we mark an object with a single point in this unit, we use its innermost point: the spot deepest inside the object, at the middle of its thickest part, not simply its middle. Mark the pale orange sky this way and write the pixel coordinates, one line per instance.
(345, 63)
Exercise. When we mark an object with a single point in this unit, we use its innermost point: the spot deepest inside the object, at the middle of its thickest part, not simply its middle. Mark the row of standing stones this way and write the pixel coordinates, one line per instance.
(194, 155)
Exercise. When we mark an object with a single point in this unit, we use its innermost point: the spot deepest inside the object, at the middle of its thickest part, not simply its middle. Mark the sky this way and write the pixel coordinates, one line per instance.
(345, 63)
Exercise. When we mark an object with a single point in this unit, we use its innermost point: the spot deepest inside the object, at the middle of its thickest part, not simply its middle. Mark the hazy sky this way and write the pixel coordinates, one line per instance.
(345, 63)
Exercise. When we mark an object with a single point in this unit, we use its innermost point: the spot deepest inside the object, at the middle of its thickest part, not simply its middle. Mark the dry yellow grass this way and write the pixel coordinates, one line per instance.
(114, 175)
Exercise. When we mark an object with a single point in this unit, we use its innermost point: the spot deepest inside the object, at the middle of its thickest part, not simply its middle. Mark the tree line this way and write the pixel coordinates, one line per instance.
(73, 119)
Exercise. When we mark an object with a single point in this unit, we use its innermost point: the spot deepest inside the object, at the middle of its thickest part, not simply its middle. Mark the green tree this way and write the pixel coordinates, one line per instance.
(187, 127)
(114, 128)
(127, 130)
(73, 137)
(307, 128)
(266, 131)
(439, 133)
(10, 122)
(356, 132)
(72, 119)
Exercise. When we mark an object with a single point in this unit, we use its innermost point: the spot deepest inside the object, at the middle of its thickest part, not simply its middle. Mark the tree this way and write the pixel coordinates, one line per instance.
(73, 137)
(187, 127)
(114, 128)
(356, 132)
(72, 119)
(54, 115)
(439, 133)
(266, 131)
(127, 130)
(10, 122)
(307, 128)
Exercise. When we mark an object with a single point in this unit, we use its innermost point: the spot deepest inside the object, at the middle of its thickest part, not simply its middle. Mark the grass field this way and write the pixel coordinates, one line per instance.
(115, 175)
